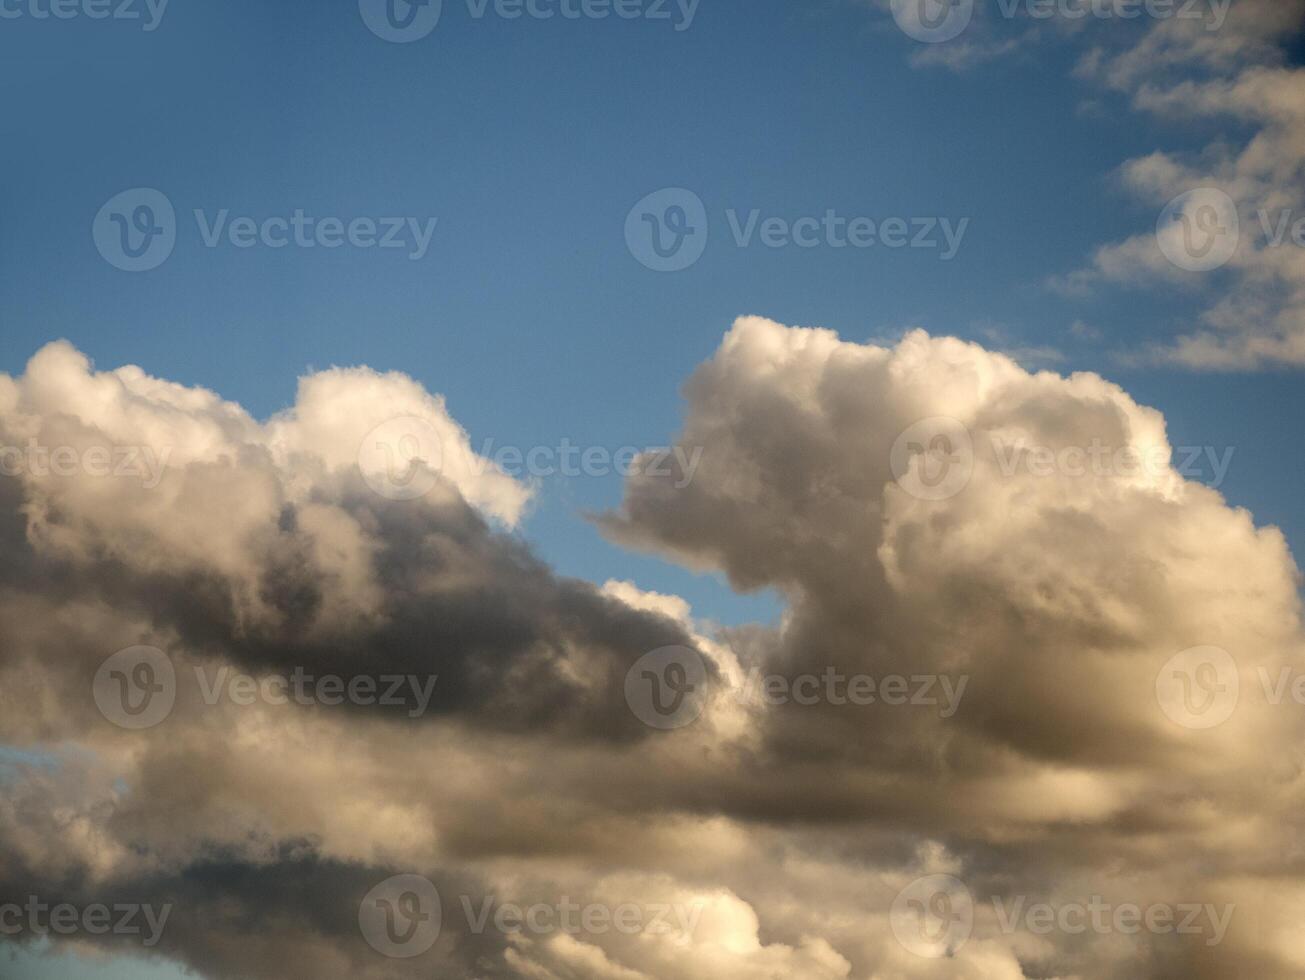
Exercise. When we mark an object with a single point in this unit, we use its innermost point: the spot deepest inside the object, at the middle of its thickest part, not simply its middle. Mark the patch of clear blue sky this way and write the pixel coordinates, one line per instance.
(41, 964)
(530, 141)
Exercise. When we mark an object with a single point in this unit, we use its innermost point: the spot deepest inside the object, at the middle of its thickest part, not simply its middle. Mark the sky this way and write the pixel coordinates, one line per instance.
(530, 141)
(522, 164)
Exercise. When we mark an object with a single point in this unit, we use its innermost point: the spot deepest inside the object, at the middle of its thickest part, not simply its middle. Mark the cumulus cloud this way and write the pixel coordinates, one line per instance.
(772, 836)
(1060, 594)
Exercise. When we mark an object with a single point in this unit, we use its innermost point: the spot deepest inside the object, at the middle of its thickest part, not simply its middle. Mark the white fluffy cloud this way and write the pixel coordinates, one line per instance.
(781, 833)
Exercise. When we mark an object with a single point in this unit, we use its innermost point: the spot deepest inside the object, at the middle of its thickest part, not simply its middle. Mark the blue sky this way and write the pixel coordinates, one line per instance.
(530, 141)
